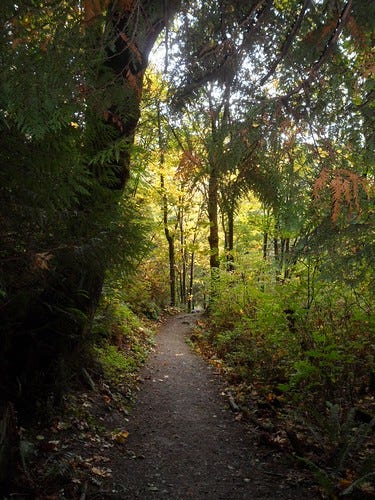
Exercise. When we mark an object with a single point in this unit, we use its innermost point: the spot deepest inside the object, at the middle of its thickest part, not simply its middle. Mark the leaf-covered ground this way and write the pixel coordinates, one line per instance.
(182, 440)
(185, 441)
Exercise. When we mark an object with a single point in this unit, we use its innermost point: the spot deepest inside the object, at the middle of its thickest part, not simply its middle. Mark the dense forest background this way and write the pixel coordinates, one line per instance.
(235, 174)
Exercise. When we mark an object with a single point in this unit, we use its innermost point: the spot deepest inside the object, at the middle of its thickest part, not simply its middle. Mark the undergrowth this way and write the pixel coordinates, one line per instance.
(123, 341)
(67, 456)
(305, 369)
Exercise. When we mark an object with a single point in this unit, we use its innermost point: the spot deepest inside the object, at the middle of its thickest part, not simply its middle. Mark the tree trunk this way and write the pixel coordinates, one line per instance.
(172, 268)
(190, 296)
(54, 320)
(182, 253)
(191, 300)
(171, 243)
(224, 227)
(287, 262)
(213, 238)
(265, 245)
(230, 256)
(276, 248)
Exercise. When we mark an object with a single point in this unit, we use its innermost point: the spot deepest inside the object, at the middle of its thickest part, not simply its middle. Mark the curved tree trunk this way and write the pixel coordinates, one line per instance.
(53, 326)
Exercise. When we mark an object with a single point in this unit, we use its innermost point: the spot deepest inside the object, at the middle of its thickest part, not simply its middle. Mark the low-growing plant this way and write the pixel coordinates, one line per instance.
(343, 463)
(122, 338)
(313, 340)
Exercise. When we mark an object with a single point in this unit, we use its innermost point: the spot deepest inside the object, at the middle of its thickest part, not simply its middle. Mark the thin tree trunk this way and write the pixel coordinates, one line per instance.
(190, 296)
(230, 256)
(276, 248)
(287, 259)
(182, 253)
(171, 247)
(282, 255)
(190, 301)
(224, 229)
(265, 245)
(168, 234)
(213, 238)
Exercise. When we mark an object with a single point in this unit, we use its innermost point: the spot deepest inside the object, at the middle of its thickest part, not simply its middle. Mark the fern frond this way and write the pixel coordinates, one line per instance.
(61, 467)
(345, 188)
(321, 182)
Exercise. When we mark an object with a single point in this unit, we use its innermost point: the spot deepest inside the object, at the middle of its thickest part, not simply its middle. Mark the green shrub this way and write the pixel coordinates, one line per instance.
(267, 334)
(114, 362)
(122, 339)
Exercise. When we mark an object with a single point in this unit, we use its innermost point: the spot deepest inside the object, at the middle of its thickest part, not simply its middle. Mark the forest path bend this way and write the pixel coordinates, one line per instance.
(184, 443)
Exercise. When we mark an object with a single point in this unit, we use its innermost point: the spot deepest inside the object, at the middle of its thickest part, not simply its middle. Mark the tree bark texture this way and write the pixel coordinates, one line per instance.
(230, 248)
(52, 322)
(182, 253)
(213, 239)
(171, 248)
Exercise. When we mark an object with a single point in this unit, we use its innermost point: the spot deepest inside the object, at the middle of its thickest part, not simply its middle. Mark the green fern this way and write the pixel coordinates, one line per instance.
(60, 466)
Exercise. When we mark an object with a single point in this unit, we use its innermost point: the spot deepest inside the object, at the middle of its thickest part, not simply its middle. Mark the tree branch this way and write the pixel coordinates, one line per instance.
(326, 52)
(287, 43)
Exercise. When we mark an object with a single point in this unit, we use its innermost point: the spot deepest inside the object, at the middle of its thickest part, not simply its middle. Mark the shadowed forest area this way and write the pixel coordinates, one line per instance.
(202, 156)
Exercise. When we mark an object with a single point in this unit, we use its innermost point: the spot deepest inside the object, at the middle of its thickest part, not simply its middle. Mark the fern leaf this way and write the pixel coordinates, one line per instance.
(321, 182)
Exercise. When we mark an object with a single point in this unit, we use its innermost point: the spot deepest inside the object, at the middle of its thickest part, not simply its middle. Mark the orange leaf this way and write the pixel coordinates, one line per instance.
(120, 437)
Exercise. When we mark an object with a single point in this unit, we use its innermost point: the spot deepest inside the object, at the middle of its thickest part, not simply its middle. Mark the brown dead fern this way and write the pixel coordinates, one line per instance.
(345, 189)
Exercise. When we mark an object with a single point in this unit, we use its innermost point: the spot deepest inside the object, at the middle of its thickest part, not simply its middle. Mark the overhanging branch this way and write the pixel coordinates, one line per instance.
(287, 43)
(326, 52)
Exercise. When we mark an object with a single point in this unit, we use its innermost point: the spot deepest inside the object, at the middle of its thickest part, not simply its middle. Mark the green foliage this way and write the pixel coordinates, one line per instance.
(250, 331)
(114, 363)
(314, 366)
(122, 340)
(343, 440)
(141, 288)
(63, 218)
(325, 352)
(60, 468)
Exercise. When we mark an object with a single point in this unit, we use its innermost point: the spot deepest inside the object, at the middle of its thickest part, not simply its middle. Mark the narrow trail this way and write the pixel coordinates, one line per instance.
(184, 442)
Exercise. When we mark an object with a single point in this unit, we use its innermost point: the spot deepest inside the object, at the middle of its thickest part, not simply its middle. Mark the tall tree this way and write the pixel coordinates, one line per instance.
(263, 50)
(71, 81)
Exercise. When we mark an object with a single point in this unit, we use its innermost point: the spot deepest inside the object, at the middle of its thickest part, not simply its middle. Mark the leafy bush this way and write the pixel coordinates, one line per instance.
(250, 331)
(122, 339)
(344, 462)
(310, 355)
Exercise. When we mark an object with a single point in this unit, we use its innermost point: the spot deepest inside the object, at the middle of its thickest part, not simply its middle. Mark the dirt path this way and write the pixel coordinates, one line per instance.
(184, 442)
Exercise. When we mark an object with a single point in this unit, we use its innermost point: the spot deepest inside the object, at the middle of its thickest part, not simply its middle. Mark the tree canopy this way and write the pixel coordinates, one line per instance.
(248, 157)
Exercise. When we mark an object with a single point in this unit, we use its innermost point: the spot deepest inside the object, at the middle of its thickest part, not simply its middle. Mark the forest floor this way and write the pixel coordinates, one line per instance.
(185, 442)
(181, 440)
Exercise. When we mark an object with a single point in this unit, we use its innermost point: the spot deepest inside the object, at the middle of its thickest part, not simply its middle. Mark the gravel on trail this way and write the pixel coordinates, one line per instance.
(184, 441)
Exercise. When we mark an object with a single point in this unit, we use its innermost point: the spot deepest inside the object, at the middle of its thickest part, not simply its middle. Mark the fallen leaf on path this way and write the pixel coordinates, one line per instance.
(100, 458)
(120, 437)
(102, 472)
